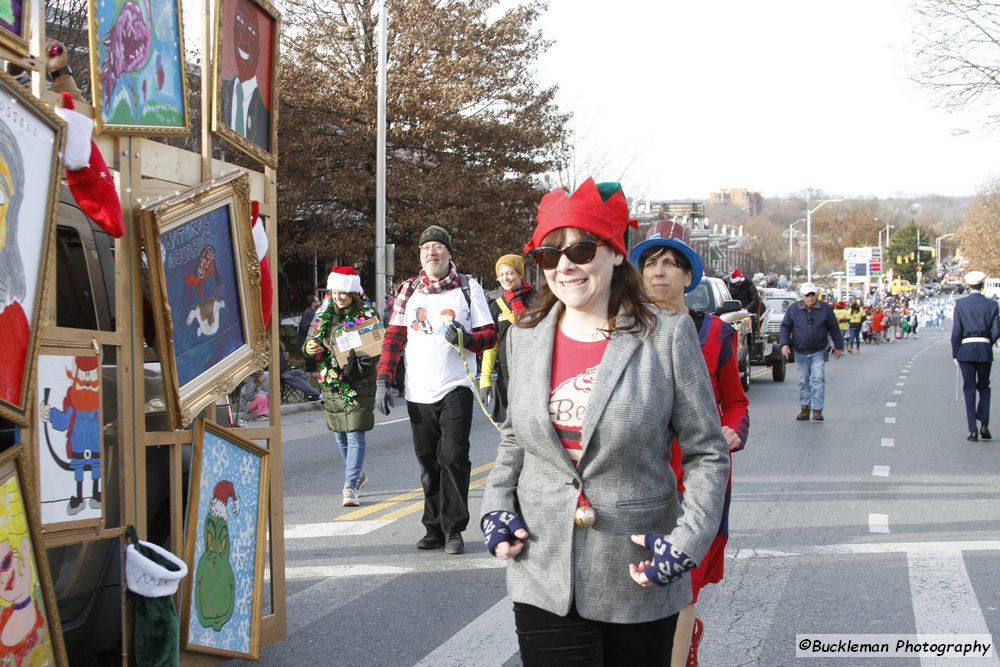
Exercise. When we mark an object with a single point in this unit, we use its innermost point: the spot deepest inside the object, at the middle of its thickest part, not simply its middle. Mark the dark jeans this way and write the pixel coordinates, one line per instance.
(976, 378)
(854, 338)
(441, 443)
(546, 639)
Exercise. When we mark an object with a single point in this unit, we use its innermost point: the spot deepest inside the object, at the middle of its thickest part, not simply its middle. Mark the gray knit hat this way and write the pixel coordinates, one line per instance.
(435, 233)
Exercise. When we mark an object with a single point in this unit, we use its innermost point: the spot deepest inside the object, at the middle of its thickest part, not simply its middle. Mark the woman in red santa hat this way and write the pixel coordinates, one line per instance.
(348, 390)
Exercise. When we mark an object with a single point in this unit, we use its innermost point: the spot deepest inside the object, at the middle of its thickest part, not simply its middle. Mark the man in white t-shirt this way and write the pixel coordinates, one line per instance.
(441, 320)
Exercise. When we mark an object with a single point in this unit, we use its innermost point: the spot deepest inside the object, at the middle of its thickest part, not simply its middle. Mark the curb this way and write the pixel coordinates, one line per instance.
(295, 408)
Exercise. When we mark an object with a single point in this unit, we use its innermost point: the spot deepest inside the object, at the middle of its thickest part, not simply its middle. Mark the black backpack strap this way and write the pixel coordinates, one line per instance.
(464, 282)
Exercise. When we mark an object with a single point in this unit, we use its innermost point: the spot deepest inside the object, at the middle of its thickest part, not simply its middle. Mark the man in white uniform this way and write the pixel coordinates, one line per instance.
(441, 319)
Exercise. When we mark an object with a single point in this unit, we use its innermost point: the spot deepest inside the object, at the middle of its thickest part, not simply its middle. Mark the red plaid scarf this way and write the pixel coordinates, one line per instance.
(425, 285)
(516, 297)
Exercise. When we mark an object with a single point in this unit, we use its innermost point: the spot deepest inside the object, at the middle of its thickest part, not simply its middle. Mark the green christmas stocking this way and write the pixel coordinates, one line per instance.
(153, 574)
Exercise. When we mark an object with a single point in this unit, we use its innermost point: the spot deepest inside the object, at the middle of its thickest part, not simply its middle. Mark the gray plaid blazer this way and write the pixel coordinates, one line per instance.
(647, 391)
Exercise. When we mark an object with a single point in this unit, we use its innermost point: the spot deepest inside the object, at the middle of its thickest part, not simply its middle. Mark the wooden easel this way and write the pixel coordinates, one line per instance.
(147, 169)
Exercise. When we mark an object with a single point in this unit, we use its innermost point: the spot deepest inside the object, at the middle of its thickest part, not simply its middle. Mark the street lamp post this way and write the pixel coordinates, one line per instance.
(882, 251)
(937, 245)
(809, 248)
(791, 260)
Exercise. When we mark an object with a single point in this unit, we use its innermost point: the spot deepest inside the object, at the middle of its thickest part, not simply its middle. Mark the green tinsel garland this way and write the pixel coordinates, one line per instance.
(330, 374)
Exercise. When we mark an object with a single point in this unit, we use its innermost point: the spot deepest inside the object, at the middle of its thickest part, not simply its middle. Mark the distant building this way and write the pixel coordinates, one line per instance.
(750, 202)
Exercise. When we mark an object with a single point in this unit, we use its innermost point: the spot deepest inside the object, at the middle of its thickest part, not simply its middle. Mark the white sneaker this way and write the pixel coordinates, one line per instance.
(362, 480)
(350, 496)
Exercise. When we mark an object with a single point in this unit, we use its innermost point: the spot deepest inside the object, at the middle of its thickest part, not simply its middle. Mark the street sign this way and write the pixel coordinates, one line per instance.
(857, 254)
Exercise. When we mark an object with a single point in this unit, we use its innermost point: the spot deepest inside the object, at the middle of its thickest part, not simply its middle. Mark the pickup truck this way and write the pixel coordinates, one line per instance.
(712, 296)
(764, 348)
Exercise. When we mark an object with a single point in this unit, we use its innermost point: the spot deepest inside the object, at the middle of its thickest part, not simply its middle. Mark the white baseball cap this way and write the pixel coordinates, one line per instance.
(975, 278)
(807, 288)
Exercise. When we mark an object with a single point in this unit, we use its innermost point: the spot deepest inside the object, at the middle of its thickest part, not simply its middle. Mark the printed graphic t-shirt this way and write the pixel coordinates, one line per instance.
(574, 367)
(433, 366)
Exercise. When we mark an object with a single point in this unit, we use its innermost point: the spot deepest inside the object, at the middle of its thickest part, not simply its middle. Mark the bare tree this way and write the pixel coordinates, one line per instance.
(958, 53)
(470, 136)
(978, 234)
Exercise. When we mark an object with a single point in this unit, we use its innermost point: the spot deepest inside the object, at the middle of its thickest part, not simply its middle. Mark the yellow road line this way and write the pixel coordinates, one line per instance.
(403, 497)
(378, 507)
(403, 511)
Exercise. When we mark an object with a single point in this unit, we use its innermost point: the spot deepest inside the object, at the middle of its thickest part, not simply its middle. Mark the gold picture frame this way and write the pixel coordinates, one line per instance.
(226, 515)
(31, 143)
(148, 99)
(70, 438)
(14, 36)
(249, 57)
(205, 282)
(27, 582)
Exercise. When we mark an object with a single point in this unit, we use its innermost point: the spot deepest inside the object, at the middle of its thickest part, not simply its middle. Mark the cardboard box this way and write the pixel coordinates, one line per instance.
(365, 339)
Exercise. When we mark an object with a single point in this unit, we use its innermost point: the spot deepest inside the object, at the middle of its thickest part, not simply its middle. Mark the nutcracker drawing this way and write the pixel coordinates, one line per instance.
(80, 419)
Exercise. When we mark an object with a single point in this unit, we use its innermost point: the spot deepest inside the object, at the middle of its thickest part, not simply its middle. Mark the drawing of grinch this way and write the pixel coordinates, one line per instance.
(214, 582)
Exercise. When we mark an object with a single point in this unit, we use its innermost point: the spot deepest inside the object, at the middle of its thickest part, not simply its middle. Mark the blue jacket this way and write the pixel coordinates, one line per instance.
(975, 317)
(807, 330)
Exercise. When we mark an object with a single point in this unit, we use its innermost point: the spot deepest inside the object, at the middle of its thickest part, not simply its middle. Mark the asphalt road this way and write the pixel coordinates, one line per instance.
(880, 520)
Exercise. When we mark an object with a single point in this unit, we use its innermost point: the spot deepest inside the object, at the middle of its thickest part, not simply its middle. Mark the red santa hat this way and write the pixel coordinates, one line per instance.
(344, 279)
(736, 277)
(261, 245)
(87, 174)
(220, 497)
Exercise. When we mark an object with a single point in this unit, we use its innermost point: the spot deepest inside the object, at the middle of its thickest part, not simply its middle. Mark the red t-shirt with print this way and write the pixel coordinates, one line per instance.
(574, 368)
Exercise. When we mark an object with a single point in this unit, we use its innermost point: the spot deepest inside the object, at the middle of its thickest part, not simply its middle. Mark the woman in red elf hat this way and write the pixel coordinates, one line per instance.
(581, 502)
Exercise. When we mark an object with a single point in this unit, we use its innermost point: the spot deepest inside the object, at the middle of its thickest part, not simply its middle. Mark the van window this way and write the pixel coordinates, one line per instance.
(75, 306)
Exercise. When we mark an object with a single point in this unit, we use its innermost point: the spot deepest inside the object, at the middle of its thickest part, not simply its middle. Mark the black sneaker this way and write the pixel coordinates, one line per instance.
(431, 541)
(454, 544)
(984, 433)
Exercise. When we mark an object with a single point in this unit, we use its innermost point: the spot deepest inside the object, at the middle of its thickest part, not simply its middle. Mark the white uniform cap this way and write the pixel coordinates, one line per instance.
(975, 278)
(806, 288)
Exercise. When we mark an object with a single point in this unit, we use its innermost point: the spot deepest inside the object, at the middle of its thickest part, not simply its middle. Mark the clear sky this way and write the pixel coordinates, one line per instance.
(678, 98)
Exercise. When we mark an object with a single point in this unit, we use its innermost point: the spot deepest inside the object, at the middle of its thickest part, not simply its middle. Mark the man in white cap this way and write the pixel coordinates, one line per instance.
(806, 328)
(975, 330)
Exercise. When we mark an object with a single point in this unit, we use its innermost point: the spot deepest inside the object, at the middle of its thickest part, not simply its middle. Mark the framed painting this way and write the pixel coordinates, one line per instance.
(31, 142)
(29, 617)
(226, 526)
(138, 76)
(14, 22)
(205, 282)
(68, 460)
(245, 65)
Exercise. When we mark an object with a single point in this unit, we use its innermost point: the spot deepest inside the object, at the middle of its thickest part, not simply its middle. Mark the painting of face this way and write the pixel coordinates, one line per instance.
(246, 40)
(246, 53)
(24, 630)
(29, 139)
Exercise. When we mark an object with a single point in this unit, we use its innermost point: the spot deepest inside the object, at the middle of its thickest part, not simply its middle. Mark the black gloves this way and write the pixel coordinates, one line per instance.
(383, 399)
(451, 334)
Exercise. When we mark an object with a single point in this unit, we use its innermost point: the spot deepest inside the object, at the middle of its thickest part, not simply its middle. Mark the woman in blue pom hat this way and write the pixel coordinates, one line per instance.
(670, 268)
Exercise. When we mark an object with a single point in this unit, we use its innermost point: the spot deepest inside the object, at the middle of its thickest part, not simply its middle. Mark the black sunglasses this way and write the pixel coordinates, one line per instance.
(811, 294)
(579, 252)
